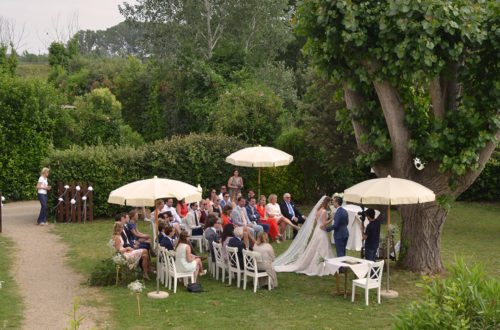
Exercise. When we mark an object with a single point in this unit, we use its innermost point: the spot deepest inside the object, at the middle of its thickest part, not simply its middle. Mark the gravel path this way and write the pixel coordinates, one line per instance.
(47, 284)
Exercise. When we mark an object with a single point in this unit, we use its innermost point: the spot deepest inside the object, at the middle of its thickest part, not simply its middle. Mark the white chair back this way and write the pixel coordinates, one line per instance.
(250, 262)
(219, 261)
(375, 272)
(232, 256)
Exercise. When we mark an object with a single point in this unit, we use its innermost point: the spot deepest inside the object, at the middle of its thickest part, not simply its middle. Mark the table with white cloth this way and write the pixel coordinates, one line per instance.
(355, 240)
(360, 268)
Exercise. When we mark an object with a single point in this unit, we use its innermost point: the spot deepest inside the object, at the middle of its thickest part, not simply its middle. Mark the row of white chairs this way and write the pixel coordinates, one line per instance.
(168, 272)
(233, 266)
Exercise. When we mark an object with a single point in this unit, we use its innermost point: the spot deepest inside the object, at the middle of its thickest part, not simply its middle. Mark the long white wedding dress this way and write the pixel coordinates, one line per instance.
(305, 258)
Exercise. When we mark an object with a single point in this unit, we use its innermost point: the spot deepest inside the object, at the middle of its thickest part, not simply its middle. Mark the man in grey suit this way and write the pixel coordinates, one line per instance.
(211, 233)
(240, 218)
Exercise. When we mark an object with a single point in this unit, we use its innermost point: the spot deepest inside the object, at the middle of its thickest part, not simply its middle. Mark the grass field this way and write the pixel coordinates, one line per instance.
(10, 300)
(471, 230)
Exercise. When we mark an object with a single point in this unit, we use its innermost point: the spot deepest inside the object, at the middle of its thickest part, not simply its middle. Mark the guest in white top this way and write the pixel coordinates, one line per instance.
(273, 210)
(43, 187)
(169, 207)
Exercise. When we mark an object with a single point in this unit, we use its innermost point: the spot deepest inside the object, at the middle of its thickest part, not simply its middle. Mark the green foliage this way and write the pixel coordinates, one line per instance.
(8, 64)
(409, 44)
(76, 320)
(11, 302)
(60, 55)
(104, 274)
(487, 185)
(250, 111)
(195, 159)
(465, 300)
(26, 132)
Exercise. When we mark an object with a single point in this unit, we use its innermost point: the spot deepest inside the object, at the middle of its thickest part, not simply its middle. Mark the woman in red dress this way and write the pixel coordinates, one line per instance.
(226, 215)
(273, 225)
(181, 208)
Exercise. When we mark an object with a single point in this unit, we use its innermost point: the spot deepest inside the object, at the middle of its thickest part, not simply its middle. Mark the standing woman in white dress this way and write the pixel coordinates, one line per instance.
(310, 262)
(43, 186)
(185, 261)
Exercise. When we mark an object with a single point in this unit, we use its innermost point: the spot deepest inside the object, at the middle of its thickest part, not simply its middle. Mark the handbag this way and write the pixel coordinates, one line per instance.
(194, 287)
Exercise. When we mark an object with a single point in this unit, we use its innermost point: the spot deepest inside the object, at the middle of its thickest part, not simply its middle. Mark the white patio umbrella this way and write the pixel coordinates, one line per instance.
(259, 157)
(389, 191)
(146, 193)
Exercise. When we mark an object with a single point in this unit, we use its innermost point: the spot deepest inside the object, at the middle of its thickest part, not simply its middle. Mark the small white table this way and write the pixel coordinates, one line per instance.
(360, 268)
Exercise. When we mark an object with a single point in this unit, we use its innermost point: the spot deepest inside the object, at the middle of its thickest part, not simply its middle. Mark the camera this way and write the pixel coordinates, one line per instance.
(362, 214)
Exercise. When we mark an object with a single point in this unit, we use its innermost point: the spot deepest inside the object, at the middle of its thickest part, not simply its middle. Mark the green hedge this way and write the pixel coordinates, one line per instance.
(487, 185)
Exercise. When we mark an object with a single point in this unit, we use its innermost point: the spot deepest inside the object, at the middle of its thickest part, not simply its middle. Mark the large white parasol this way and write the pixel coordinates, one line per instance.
(259, 157)
(146, 193)
(389, 191)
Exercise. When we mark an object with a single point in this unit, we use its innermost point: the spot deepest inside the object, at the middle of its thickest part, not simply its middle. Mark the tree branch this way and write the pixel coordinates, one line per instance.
(394, 112)
(437, 98)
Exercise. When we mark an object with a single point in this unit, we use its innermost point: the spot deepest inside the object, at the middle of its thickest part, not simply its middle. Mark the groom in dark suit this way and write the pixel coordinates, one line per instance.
(340, 222)
(289, 211)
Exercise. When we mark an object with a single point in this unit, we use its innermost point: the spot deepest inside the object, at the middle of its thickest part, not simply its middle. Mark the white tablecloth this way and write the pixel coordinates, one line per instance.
(360, 269)
(355, 240)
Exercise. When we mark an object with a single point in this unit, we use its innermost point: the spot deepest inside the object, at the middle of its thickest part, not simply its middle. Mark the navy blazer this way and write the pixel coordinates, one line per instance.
(340, 222)
(253, 215)
(165, 241)
(238, 243)
(286, 212)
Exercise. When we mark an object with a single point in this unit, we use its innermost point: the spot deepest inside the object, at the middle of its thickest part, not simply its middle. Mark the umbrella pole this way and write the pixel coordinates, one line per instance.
(388, 240)
(158, 294)
(258, 195)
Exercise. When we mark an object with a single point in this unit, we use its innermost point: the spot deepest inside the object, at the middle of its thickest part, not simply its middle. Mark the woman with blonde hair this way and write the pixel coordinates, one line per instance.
(132, 256)
(265, 259)
(43, 186)
(273, 225)
(273, 211)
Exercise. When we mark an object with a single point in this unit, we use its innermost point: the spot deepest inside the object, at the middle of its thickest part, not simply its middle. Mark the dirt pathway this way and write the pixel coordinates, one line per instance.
(48, 285)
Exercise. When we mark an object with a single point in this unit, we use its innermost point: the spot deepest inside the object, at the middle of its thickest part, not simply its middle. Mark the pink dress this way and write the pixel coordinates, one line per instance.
(132, 257)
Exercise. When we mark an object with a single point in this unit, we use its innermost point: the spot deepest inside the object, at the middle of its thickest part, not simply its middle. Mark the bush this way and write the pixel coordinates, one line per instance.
(465, 300)
(104, 274)
(26, 132)
(487, 185)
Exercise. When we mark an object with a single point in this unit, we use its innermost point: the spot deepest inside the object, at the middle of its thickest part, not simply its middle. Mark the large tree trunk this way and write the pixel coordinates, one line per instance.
(421, 237)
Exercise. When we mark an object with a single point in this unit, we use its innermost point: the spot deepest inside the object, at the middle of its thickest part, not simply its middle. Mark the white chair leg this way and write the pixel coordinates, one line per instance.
(245, 282)
(255, 281)
(175, 284)
(238, 279)
(366, 295)
(268, 282)
(192, 278)
(353, 292)
(378, 293)
(230, 275)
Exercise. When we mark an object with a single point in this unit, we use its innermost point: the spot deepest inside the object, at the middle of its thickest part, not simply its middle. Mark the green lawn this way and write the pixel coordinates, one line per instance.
(299, 301)
(10, 300)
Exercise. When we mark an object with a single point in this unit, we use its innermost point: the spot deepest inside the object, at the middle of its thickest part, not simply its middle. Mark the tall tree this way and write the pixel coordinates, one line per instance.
(421, 79)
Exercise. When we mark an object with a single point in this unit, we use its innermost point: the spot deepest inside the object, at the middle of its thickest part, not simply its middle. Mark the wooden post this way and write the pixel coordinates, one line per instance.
(1, 212)
(66, 204)
(91, 203)
(79, 203)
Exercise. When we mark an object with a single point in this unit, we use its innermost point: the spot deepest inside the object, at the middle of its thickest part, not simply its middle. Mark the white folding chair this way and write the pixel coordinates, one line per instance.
(211, 265)
(155, 234)
(220, 263)
(234, 264)
(250, 269)
(197, 238)
(372, 280)
(162, 265)
(174, 275)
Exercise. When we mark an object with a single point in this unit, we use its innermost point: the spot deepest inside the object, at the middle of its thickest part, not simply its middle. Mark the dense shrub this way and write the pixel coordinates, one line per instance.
(465, 300)
(26, 130)
(487, 185)
(104, 274)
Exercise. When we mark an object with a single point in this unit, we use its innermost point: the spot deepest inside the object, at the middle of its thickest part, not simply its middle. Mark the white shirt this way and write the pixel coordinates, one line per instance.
(45, 183)
(172, 210)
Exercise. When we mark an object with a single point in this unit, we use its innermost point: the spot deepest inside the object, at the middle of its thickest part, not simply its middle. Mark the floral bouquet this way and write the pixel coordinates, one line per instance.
(118, 260)
(137, 287)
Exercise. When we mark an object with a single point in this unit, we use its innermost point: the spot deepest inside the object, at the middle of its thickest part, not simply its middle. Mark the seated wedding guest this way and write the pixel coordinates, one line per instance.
(271, 222)
(185, 261)
(217, 208)
(241, 219)
(289, 210)
(226, 215)
(225, 200)
(251, 194)
(193, 221)
(169, 206)
(132, 256)
(132, 226)
(273, 211)
(204, 211)
(159, 208)
(166, 236)
(265, 260)
(127, 236)
(211, 197)
(235, 200)
(254, 215)
(181, 208)
(371, 235)
(227, 234)
(237, 242)
(212, 233)
(223, 190)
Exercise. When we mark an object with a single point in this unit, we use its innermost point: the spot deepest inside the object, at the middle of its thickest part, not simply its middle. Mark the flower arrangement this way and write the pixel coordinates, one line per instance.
(118, 260)
(419, 165)
(111, 245)
(322, 260)
(341, 195)
(137, 287)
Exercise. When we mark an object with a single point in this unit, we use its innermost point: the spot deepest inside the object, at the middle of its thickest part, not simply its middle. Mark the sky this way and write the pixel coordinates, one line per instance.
(44, 20)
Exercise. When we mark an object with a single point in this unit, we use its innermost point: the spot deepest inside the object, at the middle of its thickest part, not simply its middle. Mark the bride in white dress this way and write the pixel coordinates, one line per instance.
(305, 258)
